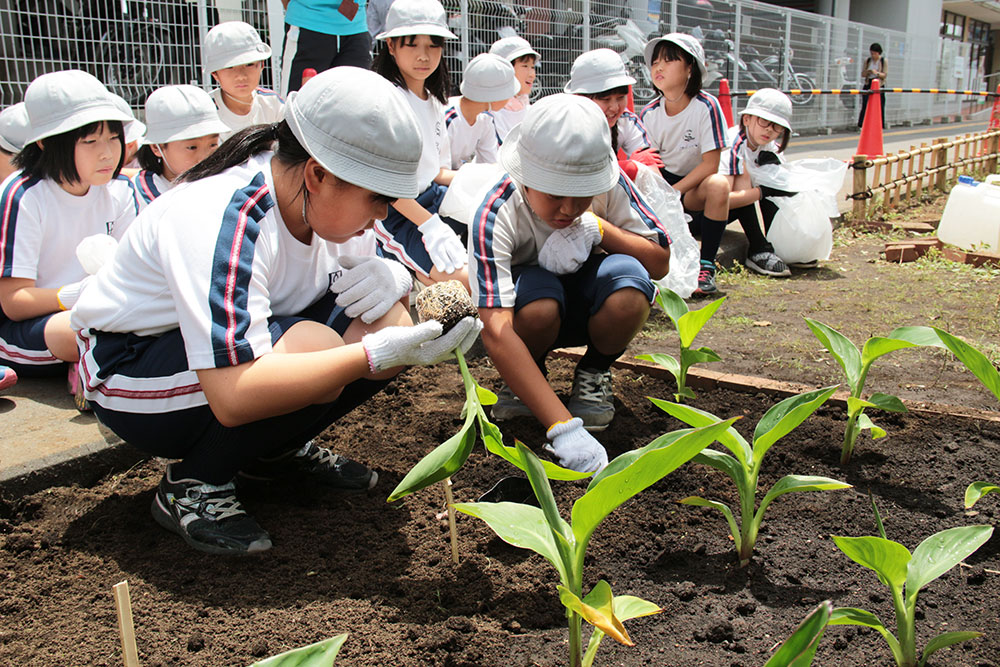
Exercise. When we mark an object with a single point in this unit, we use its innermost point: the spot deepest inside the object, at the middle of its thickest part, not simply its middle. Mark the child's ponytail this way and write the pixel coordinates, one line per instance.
(244, 145)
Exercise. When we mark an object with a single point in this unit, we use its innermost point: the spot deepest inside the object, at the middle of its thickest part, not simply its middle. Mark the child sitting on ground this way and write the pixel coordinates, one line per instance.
(563, 250)
(518, 52)
(14, 131)
(487, 83)
(235, 55)
(183, 128)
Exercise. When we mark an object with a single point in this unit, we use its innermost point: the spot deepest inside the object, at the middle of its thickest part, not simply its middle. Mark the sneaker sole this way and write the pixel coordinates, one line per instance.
(756, 268)
(163, 517)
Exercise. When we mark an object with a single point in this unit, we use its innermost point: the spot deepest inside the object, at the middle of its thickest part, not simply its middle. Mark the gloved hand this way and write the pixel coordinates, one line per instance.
(370, 285)
(575, 448)
(420, 345)
(69, 294)
(567, 249)
(647, 156)
(767, 191)
(443, 245)
(95, 251)
(630, 168)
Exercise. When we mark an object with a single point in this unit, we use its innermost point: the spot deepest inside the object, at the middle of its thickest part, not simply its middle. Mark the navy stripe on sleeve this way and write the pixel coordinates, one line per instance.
(11, 203)
(645, 211)
(715, 115)
(482, 241)
(450, 114)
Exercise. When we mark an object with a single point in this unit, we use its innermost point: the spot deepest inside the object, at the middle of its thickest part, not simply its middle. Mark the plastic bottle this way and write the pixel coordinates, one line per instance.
(971, 218)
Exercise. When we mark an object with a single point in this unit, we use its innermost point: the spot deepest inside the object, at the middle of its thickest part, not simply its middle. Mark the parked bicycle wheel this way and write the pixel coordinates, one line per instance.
(802, 82)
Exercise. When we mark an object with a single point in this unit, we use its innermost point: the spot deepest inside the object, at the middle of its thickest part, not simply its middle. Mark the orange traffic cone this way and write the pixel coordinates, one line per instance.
(995, 113)
(870, 142)
(726, 101)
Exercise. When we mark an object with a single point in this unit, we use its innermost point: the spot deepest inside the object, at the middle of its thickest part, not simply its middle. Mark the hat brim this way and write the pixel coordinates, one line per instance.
(432, 29)
(240, 59)
(9, 147)
(599, 86)
(134, 131)
(83, 117)
(768, 116)
(522, 52)
(651, 47)
(398, 184)
(199, 129)
(538, 177)
(483, 96)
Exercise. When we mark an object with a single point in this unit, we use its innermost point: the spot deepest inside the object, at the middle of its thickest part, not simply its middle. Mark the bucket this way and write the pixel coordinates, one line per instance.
(971, 218)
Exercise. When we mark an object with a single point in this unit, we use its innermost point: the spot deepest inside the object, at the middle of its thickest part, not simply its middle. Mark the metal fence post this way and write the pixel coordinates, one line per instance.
(786, 54)
(586, 25)
(673, 15)
(824, 121)
(206, 77)
(464, 9)
(737, 28)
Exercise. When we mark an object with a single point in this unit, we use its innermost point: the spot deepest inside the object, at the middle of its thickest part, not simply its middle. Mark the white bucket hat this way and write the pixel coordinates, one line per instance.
(772, 105)
(230, 44)
(596, 71)
(512, 48)
(562, 148)
(690, 44)
(181, 112)
(62, 101)
(416, 17)
(14, 128)
(360, 128)
(134, 131)
(489, 78)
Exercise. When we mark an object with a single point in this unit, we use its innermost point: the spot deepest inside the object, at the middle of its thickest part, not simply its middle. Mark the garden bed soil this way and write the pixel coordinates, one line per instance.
(382, 572)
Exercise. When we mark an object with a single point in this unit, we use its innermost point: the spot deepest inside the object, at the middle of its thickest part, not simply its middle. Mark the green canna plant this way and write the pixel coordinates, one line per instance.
(974, 360)
(688, 324)
(743, 465)
(799, 649)
(905, 574)
(564, 545)
(977, 490)
(856, 365)
(320, 654)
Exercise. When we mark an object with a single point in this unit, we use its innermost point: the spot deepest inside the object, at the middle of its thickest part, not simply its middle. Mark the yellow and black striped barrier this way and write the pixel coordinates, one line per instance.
(855, 91)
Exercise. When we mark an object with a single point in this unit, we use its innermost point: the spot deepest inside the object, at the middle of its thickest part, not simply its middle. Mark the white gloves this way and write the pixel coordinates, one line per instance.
(95, 251)
(421, 345)
(369, 286)
(443, 245)
(575, 448)
(567, 249)
(68, 295)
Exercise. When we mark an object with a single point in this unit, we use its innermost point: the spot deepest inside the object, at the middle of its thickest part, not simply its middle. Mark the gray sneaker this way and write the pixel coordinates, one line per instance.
(768, 264)
(592, 399)
(508, 406)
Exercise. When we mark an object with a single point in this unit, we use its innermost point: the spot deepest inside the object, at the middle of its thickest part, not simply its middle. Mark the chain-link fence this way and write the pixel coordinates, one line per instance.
(135, 46)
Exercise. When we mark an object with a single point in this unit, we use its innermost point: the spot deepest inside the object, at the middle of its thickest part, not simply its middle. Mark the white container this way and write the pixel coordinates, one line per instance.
(971, 218)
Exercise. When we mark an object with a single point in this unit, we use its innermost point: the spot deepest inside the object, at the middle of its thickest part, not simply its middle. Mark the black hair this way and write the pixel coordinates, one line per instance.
(876, 47)
(785, 134)
(620, 90)
(246, 143)
(437, 84)
(149, 160)
(669, 51)
(56, 161)
(526, 56)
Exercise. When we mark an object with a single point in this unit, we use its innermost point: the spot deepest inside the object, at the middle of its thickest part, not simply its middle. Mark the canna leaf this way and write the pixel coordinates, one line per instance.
(702, 355)
(944, 640)
(923, 336)
(974, 360)
(524, 526)
(440, 463)
(877, 346)
(798, 650)
(623, 461)
(731, 439)
(843, 350)
(547, 502)
(690, 323)
(494, 444)
(604, 496)
(865, 422)
(889, 559)
(665, 360)
(977, 490)
(672, 305)
(855, 405)
(726, 464)
(854, 616)
(887, 402)
(486, 397)
(790, 483)
(626, 607)
(941, 552)
(320, 654)
(784, 417)
(597, 608)
(684, 392)
(734, 529)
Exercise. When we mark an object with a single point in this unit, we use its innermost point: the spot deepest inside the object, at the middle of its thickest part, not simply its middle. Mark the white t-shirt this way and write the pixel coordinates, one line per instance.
(683, 138)
(267, 107)
(506, 233)
(148, 186)
(42, 225)
(478, 141)
(436, 153)
(505, 119)
(739, 158)
(632, 135)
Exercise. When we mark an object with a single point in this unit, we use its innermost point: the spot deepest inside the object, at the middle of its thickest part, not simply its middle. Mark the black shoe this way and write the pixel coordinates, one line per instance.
(334, 470)
(706, 279)
(208, 517)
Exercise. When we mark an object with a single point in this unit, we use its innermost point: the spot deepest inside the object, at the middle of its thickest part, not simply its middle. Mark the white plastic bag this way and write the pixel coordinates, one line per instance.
(824, 176)
(467, 190)
(801, 229)
(684, 250)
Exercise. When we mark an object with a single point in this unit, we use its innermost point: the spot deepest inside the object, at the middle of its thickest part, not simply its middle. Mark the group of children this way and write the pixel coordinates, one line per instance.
(248, 306)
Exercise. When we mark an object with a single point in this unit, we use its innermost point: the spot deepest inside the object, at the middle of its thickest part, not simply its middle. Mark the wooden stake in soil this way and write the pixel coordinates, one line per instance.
(123, 605)
(450, 499)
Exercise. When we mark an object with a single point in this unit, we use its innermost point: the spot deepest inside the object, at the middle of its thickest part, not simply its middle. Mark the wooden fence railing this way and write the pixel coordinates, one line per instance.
(913, 174)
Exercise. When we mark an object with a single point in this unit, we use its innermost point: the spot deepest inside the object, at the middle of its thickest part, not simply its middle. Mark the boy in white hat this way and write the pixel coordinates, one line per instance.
(518, 52)
(14, 130)
(487, 83)
(562, 251)
(183, 128)
(225, 334)
(235, 55)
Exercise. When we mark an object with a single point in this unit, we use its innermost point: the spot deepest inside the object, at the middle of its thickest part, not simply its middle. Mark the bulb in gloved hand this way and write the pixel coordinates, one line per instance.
(447, 302)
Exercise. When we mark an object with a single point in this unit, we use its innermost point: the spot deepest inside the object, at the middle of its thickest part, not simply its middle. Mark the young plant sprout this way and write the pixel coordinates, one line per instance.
(799, 649)
(688, 324)
(564, 545)
(856, 365)
(320, 654)
(743, 466)
(974, 360)
(905, 574)
(977, 490)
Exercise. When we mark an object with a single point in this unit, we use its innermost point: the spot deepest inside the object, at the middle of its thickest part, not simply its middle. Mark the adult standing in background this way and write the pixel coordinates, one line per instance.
(874, 68)
(377, 11)
(321, 34)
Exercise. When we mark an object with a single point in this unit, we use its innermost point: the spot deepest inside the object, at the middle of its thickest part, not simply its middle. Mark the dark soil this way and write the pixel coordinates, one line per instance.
(382, 572)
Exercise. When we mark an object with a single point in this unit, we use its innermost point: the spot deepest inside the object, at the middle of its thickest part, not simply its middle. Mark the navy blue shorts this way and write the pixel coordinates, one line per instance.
(400, 239)
(580, 295)
(22, 347)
